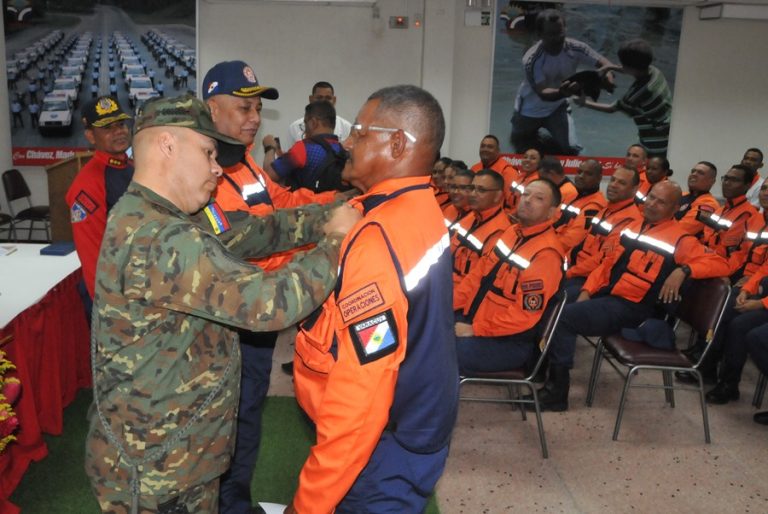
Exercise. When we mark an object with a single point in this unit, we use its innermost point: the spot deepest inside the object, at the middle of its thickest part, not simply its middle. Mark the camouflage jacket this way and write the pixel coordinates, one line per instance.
(166, 362)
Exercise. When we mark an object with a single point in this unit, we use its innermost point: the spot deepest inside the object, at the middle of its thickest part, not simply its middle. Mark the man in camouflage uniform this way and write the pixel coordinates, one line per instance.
(170, 291)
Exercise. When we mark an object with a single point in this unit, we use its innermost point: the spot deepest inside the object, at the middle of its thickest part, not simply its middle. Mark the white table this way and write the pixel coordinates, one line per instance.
(26, 276)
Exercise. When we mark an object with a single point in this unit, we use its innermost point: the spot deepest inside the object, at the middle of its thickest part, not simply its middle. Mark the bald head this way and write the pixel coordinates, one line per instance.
(662, 202)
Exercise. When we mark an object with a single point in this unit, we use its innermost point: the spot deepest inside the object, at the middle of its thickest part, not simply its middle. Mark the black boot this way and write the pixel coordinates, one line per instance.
(554, 395)
(723, 393)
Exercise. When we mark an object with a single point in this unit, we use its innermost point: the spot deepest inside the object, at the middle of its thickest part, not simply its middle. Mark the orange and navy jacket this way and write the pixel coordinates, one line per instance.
(753, 249)
(452, 215)
(507, 290)
(568, 191)
(516, 188)
(442, 197)
(576, 218)
(96, 188)
(246, 187)
(726, 229)
(691, 204)
(603, 237)
(644, 258)
(475, 235)
(752, 286)
(508, 172)
(379, 354)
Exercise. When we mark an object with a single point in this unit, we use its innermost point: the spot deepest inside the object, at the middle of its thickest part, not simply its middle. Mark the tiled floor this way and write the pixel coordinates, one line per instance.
(659, 464)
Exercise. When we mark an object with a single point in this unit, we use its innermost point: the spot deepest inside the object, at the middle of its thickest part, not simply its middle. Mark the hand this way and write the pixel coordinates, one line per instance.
(269, 140)
(743, 295)
(342, 219)
(568, 88)
(583, 296)
(749, 305)
(741, 282)
(290, 509)
(464, 329)
(671, 288)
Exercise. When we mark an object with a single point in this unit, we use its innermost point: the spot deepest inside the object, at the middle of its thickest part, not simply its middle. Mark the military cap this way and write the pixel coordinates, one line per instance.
(235, 78)
(103, 111)
(185, 111)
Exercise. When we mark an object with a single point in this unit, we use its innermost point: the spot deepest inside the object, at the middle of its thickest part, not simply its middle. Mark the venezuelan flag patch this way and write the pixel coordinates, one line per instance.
(218, 219)
(374, 337)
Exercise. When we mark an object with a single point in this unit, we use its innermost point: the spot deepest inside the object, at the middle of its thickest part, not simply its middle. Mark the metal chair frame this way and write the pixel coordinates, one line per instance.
(12, 181)
(549, 323)
(607, 352)
(757, 398)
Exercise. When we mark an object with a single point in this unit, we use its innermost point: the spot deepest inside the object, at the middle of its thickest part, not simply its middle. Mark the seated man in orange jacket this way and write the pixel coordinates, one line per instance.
(698, 201)
(575, 217)
(476, 233)
(650, 263)
(503, 297)
(375, 366)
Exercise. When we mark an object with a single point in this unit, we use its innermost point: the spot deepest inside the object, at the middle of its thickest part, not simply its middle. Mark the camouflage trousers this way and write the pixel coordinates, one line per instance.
(203, 498)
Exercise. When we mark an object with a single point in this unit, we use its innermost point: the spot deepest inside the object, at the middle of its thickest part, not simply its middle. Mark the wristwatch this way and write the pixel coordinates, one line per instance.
(686, 269)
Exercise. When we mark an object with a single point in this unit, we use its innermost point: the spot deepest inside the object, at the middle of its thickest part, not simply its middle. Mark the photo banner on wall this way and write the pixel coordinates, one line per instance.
(62, 55)
(583, 81)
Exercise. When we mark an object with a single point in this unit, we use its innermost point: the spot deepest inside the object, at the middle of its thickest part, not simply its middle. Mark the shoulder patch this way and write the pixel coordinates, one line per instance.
(374, 337)
(218, 219)
(532, 285)
(706, 208)
(533, 301)
(86, 202)
(77, 213)
(361, 301)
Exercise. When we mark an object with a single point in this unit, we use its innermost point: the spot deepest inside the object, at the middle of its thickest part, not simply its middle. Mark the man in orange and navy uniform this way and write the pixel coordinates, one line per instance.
(650, 263)
(100, 183)
(375, 367)
(657, 170)
(529, 171)
(552, 169)
(491, 159)
(604, 231)
(234, 96)
(438, 181)
(576, 217)
(637, 158)
(459, 188)
(477, 233)
(698, 202)
(503, 297)
(726, 228)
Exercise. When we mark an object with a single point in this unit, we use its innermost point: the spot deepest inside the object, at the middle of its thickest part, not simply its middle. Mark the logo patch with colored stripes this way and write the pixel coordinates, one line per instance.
(218, 219)
(374, 337)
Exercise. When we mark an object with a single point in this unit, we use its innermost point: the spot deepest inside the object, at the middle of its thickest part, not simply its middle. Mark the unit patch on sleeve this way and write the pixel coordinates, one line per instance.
(375, 337)
(86, 202)
(77, 213)
(533, 301)
(218, 219)
(532, 285)
(361, 301)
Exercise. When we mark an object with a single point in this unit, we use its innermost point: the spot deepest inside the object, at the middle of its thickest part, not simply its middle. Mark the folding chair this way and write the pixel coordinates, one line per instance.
(515, 378)
(702, 308)
(8, 220)
(16, 188)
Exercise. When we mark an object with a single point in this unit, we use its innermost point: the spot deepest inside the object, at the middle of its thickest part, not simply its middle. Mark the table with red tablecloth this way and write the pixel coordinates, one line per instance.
(41, 309)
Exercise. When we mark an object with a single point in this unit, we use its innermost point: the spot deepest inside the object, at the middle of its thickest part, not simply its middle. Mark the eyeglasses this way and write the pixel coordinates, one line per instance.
(363, 129)
(481, 190)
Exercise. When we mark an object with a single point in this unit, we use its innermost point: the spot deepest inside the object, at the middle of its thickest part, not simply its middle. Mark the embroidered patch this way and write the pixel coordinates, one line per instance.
(706, 208)
(532, 285)
(533, 301)
(77, 213)
(375, 337)
(218, 219)
(86, 202)
(361, 301)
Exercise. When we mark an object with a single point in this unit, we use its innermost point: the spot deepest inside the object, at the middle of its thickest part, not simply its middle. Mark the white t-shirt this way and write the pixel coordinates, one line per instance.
(296, 131)
(542, 68)
(753, 195)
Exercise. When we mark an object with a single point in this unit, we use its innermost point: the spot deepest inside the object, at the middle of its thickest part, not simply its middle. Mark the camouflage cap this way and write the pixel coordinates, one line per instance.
(185, 111)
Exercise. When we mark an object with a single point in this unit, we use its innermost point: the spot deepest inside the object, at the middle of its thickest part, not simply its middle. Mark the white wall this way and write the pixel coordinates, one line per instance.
(720, 103)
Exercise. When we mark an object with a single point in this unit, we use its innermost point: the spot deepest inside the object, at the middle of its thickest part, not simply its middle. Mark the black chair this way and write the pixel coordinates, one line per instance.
(757, 398)
(702, 309)
(7, 220)
(515, 378)
(16, 189)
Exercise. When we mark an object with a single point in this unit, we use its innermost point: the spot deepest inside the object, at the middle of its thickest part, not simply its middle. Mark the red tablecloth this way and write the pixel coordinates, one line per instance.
(50, 349)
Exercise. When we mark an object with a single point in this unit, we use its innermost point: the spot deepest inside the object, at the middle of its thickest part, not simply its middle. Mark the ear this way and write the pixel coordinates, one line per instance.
(167, 143)
(214, 108)
(397, 142)
(89, 134)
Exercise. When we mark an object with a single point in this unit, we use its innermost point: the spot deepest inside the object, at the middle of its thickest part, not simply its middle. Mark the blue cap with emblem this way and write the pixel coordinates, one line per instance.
(235, 78)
